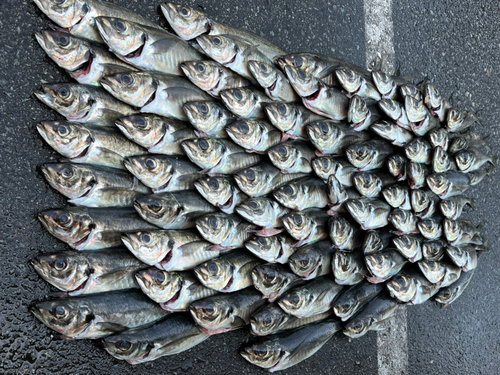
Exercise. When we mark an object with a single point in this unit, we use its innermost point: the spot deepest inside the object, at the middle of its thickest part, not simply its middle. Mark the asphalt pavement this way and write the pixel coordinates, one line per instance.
(456, 44)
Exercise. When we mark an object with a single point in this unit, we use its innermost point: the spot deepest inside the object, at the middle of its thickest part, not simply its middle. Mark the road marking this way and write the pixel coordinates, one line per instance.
(392, 343)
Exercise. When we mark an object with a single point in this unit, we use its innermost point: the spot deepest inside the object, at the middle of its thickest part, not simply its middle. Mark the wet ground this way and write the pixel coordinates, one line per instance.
(456, 44)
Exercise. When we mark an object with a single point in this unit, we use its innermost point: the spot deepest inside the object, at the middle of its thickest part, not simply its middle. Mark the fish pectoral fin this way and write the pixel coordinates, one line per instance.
(116, 276)
(163, 45)
(238, 322)
(110, 327)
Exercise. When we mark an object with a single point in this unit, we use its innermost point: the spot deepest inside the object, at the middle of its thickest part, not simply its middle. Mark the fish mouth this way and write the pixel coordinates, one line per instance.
(80, 243)
(82, 154)
(85, 68)
(136, 53)
(40, 39)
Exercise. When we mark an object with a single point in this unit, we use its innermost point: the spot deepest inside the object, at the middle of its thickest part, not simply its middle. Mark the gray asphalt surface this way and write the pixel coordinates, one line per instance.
(456, 44)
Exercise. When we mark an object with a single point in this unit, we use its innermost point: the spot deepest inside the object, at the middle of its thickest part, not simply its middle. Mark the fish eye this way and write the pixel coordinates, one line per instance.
(60, 312)
(150, 163)
(185, 12)
(123, 345)
(325, 162)
(262, 240)
(203, 108)
(253, 204)
(209, 309)
(62, 130)
(243, 127)
(297, 219)
(146, 237)
(217, 41)
(63, 92)
(281, 109)
(63, 41)
(237, 94)
(251, 175)
(287, 190)
(213, 184)
(270, 276)
(58, 1)
(294, 299)
(67, 173)
(324, 128)
(126, 79)
(302, 74)
(212, 222)
(159, 277)
(299, 61)
(140, 122)
(358, 327)
(119, 26)
(260, 351)
(281, 150)
(64, 219)
(268, 320)
(156, 206)
(263, 66)
(212, 268)
(200, 68)
(60, 264)
(203, 145)
(379, 258)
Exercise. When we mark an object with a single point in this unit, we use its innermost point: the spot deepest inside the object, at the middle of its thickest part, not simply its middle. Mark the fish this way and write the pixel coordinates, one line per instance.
(460, 142)
(472, 159)
(411, 287)
(272, 280)
(83, 103)
(368, 155)
(291, 119)
(273, 81)
(160, 135)
(459, 120)
(83, 60)
(173, 335)
(318, 97)
(384, 265)
(226, 312)
(411, 90)
(462, 232)
(415, 108)
(376, 240)
(78, 273)
(228, 273)
(396, 164)
(174, 291)
(245, 102)
(428, 124)
(438, 106)
(338, 195)
(262, 178)
(430, 228)
(189, 23)
(355, 298)
(392, 132)
(344, 233)
(84, 228)
(212, 77)
(332, 138)
(98, 315)
(163, 173)
(442, 162)
(313, 260)
(153, 246)
(177, 210)
(433, 250)
(417, 175)
(370, 213)
(419, 151)
(396, 112)
(410, 246)
(153, 92)
(301, 194)
(284, 350)
(79, 17)
(209, 118)
(307, 226)
(271, 319)
(218, 155)
(356, 84)
(448, 295)
(440, 273)
(254, 135)
(370, 184)
(362, 114)
(93, 186)
(337, 166)
(292, 157)
(371, 318)
(386, 84)
(424, 203)
(222, 192)
(145, 47)
(263, 212)
(348, 268)
(397, 196)
(439, 138)
(274, 249)
(226, 231)
(315, 297)
(452, 207)
(233, 52)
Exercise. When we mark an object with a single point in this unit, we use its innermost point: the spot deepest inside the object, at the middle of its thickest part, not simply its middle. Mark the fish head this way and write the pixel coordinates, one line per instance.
(301, 61)
(305, 84)
(449, 207)
(149, 246)
(268, 320)
(147, 129)
(407, 245)
(416, 174)
(410, 90)
(216, 190)
(72, 180)
(291, 194)
(372, 242)
(298, 225)
(246, 132)
(151, 170)
(298, 301)
(134, 88)
(216, 273)
(188, 23)
(452, 230)
(415, 109)
(220, 48)
(447, 295)
(349, 79)
(433, 249)
(268, 280)
(70, 140)
(258, 209)
(379, 264)
(268, 248)
(161, 210)
(65, 270)
(420, 200)
(438, 138)
(346, 308)
(253, 180)
(212, 313)
(368, 184)
(305, 262)
(385, 84)
(465, 160)
(123, 37)
(71, 100)
(430, 228)
(455, 119)
(441, 161)
(240, 101)
(401, 219)
(458, 255)
(127, 347)
(204, 74)
(215, 227)
(359, 209)
(159, 285)
(206, 116)
(341, 231)
(396, 165)
(324, 134)
(283, 155)
(68, 225)
(459, 143)
(358, 110)
(265, 74)
(282, 115)
(65, 316)
(394, 195)
(344, 265)
(66, 13)
(403, 287)
(432, 96)
(67, 51)
(432, 270)
(361, 155)
(266, 354)
(384, 129)
(205, 152)
(416, 149)
(357, 327)
(325, 166)
(391, 107)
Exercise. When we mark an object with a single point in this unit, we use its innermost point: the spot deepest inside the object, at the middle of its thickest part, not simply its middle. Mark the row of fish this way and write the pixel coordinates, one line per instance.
(220, 183)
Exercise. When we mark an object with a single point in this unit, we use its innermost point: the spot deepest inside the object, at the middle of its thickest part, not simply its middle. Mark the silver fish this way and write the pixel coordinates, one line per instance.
(370, 213)
(163, 173)
(264, 212)
(362, 114)
(392, 132)
(337, 166)
(440, 273)
(348, 268)
(452, 207)
(426, 125)
(387, 85)
(368, 155)
(370, 184)
(292, 157)
(397, 196)
(245, 102)
(424, 202)
(409, 246)
(303, 193)
(212, 77)
(415, 108)
(376, 240)
(472, 159)
(404, 221)
(272, 280)
(291, 119)
(396, 164)
(218, 155)
(338, 195)
(442, 162)
(272, 249)
(356, 84)
(396, 112)
(177, 210)
(273, 81)
(411, 90)
(459, 120)
(462, 232)
(417, 174)
(254, 135)
(460, 142)
(209, 118)
(433, 250)
(312, 261)
(419, 151)
(158, 134)
(439, 138)
(83, 103)
(344, 233)
(448, 295)
(411, 287)
(307, 226)
(430, 228)
(331, 137)
(449, 184)
(435, 102)
(355, 298)
(225, 231)
(222, 192)
(384, 265)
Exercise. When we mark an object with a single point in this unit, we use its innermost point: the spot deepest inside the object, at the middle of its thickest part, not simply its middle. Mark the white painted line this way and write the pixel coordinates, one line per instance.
(392, 343)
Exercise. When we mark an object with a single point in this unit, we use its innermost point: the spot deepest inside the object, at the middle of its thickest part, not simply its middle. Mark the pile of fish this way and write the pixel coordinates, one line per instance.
(217, 182)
